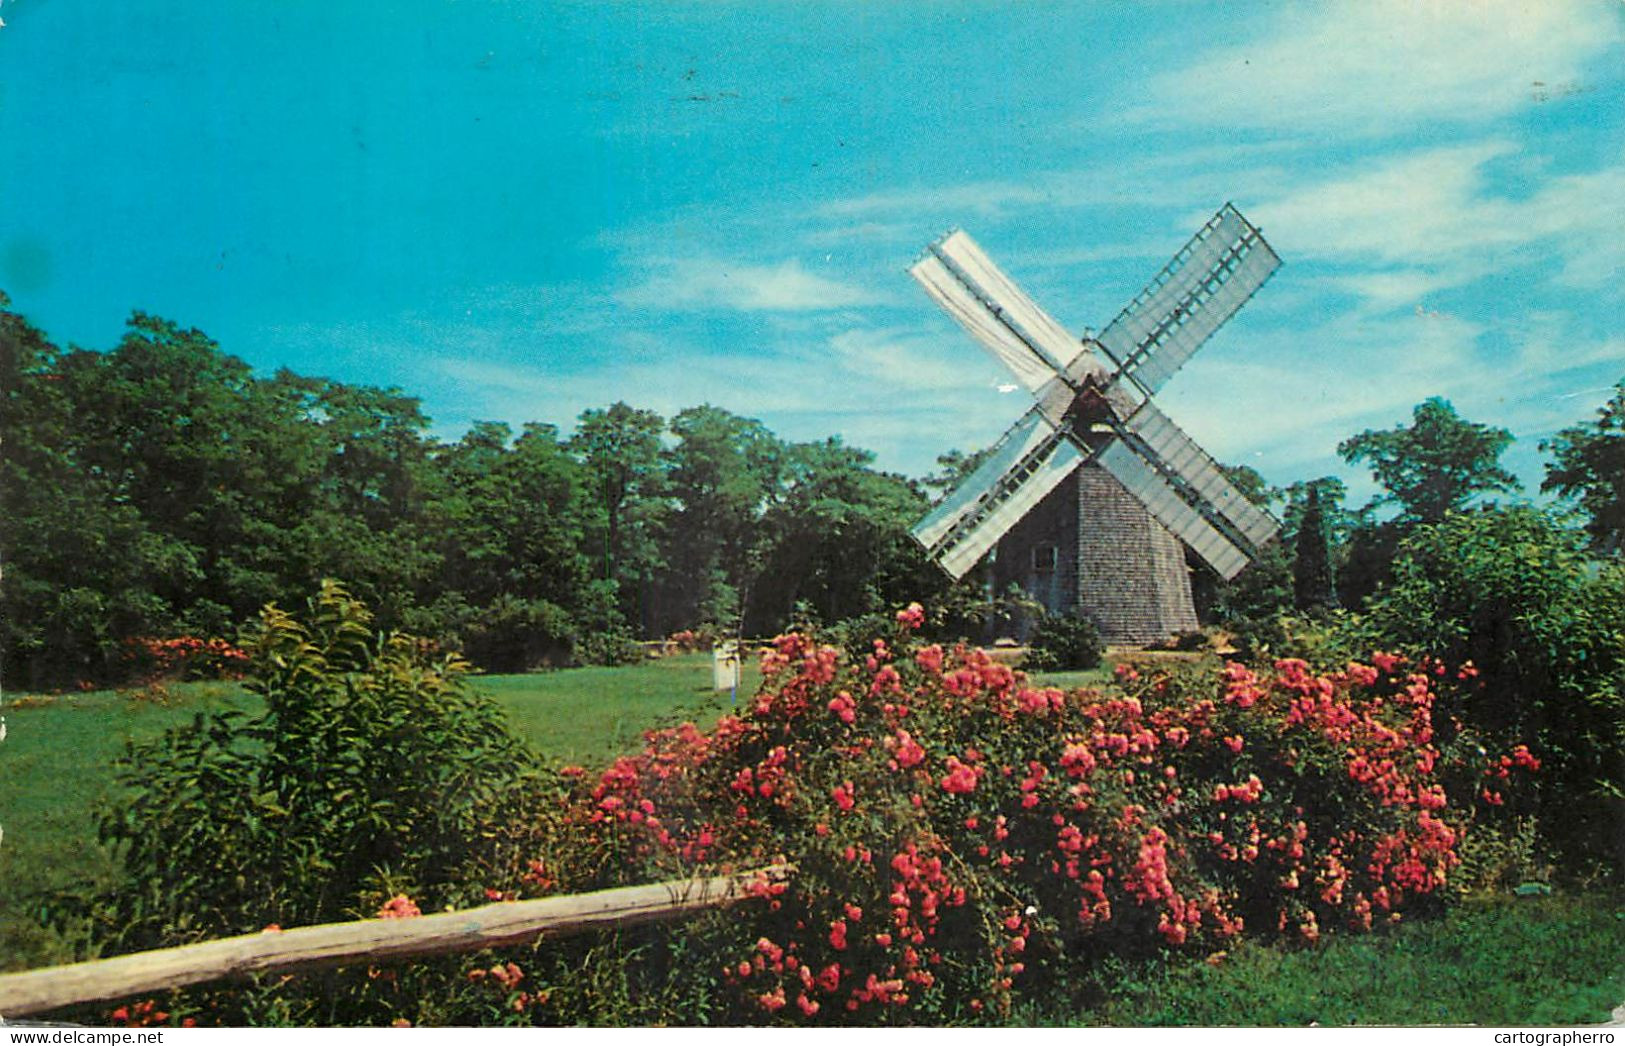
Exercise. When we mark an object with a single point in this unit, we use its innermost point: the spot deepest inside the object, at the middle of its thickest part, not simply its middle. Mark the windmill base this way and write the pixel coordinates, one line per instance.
(1091, 549)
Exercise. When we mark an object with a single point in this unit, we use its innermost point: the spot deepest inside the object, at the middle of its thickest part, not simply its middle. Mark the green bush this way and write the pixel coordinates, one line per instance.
(373, 770)
(612, 646)
(1514, 592)
(1322, 640)
(1062, 643)
(518, 635)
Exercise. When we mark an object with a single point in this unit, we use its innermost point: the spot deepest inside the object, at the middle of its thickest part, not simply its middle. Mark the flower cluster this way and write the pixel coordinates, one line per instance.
(184, 657)
(955, 830)
(399, 907)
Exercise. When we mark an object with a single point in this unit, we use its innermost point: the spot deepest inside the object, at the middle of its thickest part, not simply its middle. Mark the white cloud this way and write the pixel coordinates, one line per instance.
(1418, 206)
(1380, 292)
(1428, 220)
(1375, 66)
(906, 359)
(1284, 400)
(709, 283)
(848, 233)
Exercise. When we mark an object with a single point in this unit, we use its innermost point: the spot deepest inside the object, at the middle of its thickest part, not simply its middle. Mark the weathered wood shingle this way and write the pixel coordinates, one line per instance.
(1111, 562)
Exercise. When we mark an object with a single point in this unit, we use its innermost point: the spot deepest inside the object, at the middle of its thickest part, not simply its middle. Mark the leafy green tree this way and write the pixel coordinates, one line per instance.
(368, 518)
(1588, 466)
(837, 539)
(510, 519)
(1437, 464)
(87, 447)
(620, 449)
(722, 474)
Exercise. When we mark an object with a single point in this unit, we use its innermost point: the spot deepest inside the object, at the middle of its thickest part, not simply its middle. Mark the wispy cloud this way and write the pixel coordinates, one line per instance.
(710, 283)
(1284, 400)
(1374, 66)
(1409, 225)
(886, 389)
(1437, 204)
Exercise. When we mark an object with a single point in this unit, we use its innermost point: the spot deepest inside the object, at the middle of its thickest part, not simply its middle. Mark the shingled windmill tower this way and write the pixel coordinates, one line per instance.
(1090, 498)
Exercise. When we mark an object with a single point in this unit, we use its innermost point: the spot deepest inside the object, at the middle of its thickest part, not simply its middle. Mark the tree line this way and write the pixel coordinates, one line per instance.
(1332, 555)
(163, 488)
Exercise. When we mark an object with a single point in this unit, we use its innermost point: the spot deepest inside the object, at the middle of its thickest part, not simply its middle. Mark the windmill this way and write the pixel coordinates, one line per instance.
(1092, 495)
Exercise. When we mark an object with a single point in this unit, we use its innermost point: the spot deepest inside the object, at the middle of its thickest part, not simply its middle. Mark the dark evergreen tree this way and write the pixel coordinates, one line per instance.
(1312, 585)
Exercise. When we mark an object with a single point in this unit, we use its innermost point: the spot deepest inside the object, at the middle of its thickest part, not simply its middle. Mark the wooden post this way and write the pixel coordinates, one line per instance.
(371, 941)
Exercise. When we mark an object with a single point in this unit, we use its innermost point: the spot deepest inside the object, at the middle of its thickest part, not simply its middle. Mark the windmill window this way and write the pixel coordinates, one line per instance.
(1045, 559)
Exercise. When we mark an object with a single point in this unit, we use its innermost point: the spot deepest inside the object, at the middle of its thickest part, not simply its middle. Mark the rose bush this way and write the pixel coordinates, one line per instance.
(960, 835)
(151, 658)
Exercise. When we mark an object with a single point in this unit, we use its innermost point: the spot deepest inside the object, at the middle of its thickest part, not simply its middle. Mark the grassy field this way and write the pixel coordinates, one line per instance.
(1550, 961)
(588, 715)
(55, 765)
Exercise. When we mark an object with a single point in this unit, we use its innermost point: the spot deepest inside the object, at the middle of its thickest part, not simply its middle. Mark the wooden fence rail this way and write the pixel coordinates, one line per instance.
(373, 940)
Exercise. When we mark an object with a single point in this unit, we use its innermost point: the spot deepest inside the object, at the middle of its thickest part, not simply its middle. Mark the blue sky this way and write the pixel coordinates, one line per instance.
(517, 211)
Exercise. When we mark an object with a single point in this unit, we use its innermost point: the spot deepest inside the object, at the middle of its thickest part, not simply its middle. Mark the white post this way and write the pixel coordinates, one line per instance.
(725, 665)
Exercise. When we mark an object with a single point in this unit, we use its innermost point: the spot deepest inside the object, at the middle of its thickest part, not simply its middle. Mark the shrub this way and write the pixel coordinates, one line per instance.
(1320, 640)
(372, 770)
(1062, 643)
(961, 837)
(1514, 592)
(517, 635)
(612, 646)
(183, 657)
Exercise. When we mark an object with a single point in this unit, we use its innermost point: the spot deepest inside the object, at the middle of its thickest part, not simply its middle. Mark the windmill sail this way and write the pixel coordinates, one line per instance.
(977, 293)
(1165, 504)
(1006, 502)
(1210, 278)
(1020, 440)
(1177, 455)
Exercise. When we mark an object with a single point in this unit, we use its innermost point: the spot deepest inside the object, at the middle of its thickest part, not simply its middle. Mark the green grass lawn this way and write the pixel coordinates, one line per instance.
(589, 715)
(1550, 961)
(57, 762)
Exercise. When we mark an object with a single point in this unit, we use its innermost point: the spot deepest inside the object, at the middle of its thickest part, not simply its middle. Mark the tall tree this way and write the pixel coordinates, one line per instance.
(838, 539)
(1436, 464)
(1312, 585)
(723, 473)
(620, 450)
(1589, 466)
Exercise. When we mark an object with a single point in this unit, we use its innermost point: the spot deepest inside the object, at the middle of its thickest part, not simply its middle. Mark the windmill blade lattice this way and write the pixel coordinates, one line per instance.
(1205, 284)
(1092, 413)
(1026, 463)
